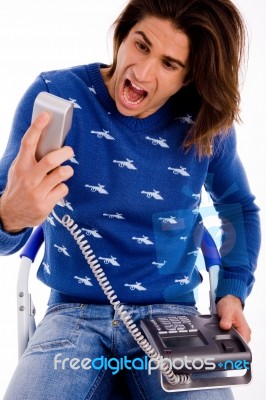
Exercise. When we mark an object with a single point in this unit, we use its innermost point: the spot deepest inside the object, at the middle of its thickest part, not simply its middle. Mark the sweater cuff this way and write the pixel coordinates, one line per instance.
(234, 287)
(12, 242)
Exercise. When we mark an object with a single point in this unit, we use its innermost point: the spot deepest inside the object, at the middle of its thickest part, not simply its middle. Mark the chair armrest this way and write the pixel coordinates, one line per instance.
(25, 307)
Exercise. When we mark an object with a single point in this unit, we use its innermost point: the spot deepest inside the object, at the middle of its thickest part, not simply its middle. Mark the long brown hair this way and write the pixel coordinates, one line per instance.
(216, 32)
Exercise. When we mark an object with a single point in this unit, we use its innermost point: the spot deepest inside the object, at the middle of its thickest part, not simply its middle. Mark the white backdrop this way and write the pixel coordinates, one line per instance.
(37, 36)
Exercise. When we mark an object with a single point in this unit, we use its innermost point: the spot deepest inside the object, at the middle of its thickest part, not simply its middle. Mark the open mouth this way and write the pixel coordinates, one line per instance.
(133, 94)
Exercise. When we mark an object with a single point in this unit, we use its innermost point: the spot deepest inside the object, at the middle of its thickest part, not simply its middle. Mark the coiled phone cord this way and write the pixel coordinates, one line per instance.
(119, 308)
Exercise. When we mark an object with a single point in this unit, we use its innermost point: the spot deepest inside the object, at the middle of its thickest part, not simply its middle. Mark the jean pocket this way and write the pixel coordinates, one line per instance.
(172, 310)
(62, 307)
(57, 331)
(49, 346)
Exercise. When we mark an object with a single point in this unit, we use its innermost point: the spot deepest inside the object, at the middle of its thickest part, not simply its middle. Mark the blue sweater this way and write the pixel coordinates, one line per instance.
(136, 194)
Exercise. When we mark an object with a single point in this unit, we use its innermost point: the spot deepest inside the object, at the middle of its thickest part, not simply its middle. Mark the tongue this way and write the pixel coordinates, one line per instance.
(133, 94)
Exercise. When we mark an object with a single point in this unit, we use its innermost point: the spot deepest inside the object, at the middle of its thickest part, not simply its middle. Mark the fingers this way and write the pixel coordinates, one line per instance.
(52, 175)
(55, 158)
(26, 159)
(58, 193)
(239, 324)
(231, 313)
(38, 185)
(30, 139)
(57, 176)
(35, 174)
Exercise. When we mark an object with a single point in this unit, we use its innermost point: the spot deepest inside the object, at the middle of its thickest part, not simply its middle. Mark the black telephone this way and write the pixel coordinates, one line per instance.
(195, 342)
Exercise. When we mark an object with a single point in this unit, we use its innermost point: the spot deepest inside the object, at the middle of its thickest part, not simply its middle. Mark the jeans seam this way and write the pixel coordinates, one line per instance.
(96, 384)
(113, 342)
(76, 330)
(139, 386)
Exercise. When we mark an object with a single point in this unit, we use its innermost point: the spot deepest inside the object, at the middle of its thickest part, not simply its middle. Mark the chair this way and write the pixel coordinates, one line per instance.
(26, 309)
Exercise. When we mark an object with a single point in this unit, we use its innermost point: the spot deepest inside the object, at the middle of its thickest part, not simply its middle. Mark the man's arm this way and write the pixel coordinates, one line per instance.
(240, 226)
(239, 215)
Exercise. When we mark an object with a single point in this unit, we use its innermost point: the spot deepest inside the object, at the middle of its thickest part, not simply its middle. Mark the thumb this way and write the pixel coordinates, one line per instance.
(225, 322)
(226, 311)
(31, 138)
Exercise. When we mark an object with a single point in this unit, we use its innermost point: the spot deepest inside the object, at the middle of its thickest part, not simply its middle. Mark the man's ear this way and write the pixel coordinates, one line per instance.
(187, 81)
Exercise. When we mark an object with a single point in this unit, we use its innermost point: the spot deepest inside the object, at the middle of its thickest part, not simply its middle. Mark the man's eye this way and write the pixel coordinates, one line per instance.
(169, 65)
(141, 46)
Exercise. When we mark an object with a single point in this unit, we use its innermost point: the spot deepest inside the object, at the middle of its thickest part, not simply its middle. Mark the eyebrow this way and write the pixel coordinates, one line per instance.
(168, 58)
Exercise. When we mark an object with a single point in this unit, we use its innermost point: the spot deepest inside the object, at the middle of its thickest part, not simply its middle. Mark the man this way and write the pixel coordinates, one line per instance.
(173, 82)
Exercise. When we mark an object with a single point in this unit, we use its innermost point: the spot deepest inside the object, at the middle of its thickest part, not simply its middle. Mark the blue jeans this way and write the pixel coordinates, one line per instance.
(60, 360)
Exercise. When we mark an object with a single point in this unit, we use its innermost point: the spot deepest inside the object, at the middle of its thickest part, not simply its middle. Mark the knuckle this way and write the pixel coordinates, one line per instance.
(26, 143)
(29, 183)
(49, 161)
(17, 172)
(61, 173)
(64, 172)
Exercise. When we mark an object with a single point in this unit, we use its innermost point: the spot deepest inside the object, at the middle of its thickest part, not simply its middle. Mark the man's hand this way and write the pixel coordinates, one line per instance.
(230, 310)
(33, 187)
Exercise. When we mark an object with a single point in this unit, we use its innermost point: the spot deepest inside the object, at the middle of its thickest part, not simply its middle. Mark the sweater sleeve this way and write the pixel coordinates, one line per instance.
(240, 225)
(11, 243)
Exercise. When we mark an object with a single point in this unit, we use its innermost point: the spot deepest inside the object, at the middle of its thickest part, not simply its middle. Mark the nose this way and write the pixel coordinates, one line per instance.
(145, 70)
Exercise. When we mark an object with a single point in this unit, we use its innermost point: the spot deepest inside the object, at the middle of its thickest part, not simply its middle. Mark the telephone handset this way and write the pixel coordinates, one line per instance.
(61, 112)
(187, 340)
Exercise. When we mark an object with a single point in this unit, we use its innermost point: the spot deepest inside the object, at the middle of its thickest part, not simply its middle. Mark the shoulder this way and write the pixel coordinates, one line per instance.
(61, 82)
(79, 71)
(68, 78)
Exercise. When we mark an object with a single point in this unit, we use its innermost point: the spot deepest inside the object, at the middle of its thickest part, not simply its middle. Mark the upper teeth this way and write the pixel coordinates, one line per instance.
(135, 86)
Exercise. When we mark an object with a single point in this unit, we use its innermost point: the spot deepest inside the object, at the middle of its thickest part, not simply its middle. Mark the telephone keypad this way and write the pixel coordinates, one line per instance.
(180, 324)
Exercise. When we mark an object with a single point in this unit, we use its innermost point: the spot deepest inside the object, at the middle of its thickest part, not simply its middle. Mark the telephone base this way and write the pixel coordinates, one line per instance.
(210, 380)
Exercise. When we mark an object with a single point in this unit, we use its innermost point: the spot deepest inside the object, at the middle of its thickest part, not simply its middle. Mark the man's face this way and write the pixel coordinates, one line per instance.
(151, 67)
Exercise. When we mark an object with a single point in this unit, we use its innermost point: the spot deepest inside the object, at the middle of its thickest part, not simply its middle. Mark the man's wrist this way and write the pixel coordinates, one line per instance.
(232, 298)
(8, 228)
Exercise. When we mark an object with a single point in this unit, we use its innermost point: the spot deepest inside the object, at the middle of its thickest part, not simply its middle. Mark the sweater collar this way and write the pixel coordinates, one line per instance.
(158, 119)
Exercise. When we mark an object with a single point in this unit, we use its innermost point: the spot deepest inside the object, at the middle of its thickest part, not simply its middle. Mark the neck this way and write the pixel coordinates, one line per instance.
(107, 80)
